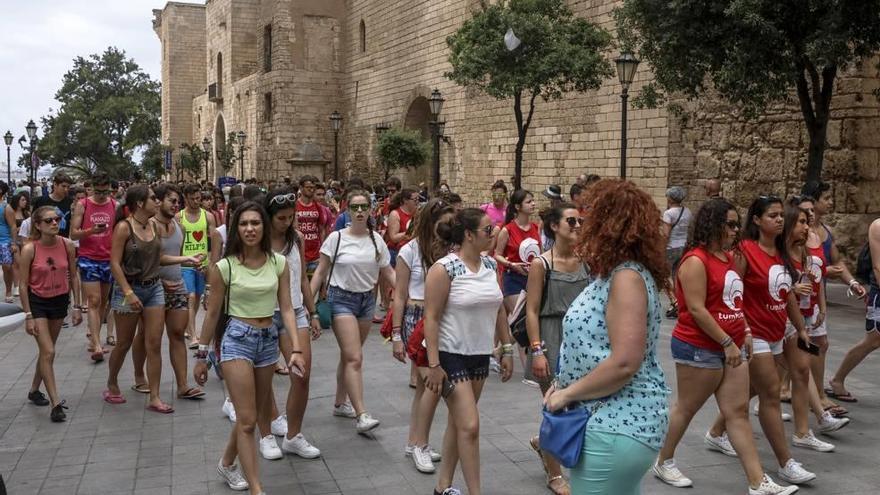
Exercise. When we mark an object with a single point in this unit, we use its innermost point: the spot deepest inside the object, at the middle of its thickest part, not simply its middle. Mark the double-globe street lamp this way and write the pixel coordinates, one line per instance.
(336, 124)
(7, 138)
(627, 64)
(436, 106)
(31, 129)
(241, 137)
(206, 147)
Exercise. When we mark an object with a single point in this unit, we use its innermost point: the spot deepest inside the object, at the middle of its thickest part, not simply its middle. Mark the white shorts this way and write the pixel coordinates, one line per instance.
(761, 346)
(821, 331)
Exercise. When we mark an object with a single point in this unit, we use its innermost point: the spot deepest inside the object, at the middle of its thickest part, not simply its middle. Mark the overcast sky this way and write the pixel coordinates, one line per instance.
(40, 39)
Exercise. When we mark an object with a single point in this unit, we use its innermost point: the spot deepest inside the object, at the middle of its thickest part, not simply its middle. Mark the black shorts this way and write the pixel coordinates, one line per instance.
(51, 308)
(461, 367)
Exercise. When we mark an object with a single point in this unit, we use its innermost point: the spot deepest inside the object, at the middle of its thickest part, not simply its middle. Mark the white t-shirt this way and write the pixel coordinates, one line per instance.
(294, 264)
(679, 234)
(222, 231)
(25, 230)
(467, 325)
(411, 255)
(356, 268)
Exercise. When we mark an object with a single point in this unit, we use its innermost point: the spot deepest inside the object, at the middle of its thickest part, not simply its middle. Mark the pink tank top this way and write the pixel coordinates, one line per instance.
(96, 247)
(49, 270)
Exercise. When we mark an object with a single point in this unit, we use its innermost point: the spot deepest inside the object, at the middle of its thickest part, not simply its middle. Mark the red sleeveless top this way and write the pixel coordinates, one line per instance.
(405, 219)
(724, 301)
(765, 292)
(49, 269)
(96, 247)
(522, 245)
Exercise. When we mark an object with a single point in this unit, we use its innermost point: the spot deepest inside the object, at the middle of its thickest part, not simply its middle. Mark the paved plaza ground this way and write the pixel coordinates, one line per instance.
(124, 449)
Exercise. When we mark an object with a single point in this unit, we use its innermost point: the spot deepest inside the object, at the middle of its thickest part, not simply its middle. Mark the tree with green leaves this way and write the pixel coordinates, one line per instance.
(228, 153)
(110, 111)
(401, 148)
(754, 53)
(523, 49)
(191, 159)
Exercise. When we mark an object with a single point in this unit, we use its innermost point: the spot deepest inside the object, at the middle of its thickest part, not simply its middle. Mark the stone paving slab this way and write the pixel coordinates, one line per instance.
(124, 449)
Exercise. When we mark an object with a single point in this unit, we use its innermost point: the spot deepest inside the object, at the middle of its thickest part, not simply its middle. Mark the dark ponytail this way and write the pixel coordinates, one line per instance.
(452, 232)
(516, 200)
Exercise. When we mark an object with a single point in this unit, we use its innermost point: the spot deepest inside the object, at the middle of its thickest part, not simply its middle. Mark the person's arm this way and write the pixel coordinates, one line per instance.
(76, 218)
(837, 269)
(76, 316)
(398, 305)
(874, 246)
(502, 334)
(437, 285)
(117, 249)
(318, 278)
(386, 275)
(626, 318)
(793, 309)
(24, 273)
(285, 306)
(216, 241)
(534, 291)
(216, 300)
(9, 216)
(394, 232)
(820, 317)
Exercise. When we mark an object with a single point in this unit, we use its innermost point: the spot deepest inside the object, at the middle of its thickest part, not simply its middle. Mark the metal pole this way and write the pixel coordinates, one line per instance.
(206, 166)
(8, 166)
(435, 162)
(336, 155)
(624, 96)
(33, 174)
(241, 159)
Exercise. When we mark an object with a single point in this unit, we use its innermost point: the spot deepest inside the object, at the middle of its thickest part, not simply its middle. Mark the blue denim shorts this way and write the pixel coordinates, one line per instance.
(94, 271)
(258, 346)
(697, 357)
(302, 318)
(151, 294)
(513, 283)
(357, 304)
(194, 280)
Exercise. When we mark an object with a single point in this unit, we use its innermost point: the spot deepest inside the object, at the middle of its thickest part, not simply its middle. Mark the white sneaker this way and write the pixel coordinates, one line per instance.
(794, 473)
(785, 416)
(365, 423)
(279, 426)
(422, 459)
(769, 487)
(720, 444)
(269, 448)
(809, 441)
(669, 474)
(494, 365)
(344, 410)
(829, 423)
(435, 456)
(228, 410)
(300, 446)
(232, 476)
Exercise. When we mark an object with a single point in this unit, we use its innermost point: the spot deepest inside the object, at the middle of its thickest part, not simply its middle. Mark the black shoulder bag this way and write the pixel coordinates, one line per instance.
(518, 328)
(223, 319)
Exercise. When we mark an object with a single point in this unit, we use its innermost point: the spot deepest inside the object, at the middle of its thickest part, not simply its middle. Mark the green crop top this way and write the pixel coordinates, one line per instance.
(254, 292)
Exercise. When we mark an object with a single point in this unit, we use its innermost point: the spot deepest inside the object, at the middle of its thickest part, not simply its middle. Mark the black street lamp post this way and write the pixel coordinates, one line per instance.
(336, 123)
(8, 139)
(241, 137)
(436, 104)
(31, 129)
(627, 64)
(206, 147)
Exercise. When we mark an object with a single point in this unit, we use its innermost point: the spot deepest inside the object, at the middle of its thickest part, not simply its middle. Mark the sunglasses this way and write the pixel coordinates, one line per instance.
(572, 221)
(51, 220)
(283, 199)
(359, 207)
(102, 191)
(733, 224)
(487, 229)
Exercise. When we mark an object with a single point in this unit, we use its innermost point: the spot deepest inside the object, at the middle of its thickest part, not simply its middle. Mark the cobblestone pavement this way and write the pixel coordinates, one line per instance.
(124, 449)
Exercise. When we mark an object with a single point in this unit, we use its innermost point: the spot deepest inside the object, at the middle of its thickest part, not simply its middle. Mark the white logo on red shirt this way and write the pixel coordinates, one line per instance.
(778, 280)
(815, 268)
(529, 249)
(733, 290)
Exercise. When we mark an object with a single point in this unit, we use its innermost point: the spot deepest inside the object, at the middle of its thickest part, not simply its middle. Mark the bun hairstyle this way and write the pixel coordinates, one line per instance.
(516, 200)
(552, 216)
(452, 232)
(430, 248)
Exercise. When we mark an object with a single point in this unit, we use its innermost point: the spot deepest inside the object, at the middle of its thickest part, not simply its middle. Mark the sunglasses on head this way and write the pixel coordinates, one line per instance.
(574, 221)
(283, 199)
(359, 207)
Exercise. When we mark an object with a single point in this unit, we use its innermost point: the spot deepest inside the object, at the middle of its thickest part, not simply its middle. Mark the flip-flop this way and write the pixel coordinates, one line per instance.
(111, 398)
(98, 356)
(161, 409)
(193, 345)
(143, 388)
(837, 411)
(111, 340)
(192, 393)
(845, 397)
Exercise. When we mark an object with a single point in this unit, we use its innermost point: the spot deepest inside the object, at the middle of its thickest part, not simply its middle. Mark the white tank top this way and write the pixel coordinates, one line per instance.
(294, 264)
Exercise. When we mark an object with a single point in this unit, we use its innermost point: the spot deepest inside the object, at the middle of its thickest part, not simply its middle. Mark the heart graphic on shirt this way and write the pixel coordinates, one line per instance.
(198, 235)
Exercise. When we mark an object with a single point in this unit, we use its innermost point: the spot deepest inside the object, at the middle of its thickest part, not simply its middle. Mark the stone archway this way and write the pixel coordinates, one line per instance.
(219, 144)
(417, 118)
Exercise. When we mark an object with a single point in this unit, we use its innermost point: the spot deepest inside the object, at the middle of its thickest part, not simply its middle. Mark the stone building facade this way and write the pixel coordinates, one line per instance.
(282, 66)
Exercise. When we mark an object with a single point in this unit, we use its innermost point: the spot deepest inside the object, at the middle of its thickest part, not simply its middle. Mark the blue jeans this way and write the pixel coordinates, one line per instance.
(258, 346)
(357, 304)
(611, 464)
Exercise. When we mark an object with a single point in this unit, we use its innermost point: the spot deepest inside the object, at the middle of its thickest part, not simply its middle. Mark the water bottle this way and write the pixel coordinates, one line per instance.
(804, 301)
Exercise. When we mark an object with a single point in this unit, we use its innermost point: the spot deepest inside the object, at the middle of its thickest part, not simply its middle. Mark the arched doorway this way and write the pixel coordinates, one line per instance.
(418, 117)
(219, 145)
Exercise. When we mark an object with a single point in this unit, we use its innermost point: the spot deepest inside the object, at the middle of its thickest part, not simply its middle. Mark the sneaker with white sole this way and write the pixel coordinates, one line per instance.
(720, 444)
(232, 476)
(269, 448)
(300, 446)
(809, 441)
(279, 426)
(365, 423)
(494, 366)
(669, 474)
(829, 423)
(422, 459)
(449, 491)
(228, 410)
(785, 416)
(344, 410)
(794, 473)
(435, 456)
(769, 487)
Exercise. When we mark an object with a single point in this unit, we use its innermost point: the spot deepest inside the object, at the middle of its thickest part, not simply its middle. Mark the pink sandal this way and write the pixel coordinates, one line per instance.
(111, 398)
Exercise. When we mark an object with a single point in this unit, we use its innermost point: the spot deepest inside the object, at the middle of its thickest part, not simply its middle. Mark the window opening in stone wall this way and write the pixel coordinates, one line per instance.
(267, 107)
(267, 48)
(363, 37)
(219, 72)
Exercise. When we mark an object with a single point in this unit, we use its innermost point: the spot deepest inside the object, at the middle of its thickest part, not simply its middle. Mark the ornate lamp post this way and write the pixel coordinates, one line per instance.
(436, 103)
(241, 137)
(627, 64)
(206, 147)
(336, 124)
(31, 129)
(8, 139)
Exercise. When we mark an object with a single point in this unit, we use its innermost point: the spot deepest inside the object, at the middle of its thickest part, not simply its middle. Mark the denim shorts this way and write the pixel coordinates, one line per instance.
(94, 271)
(393, 253)
(513, 283)
(258, 346)
(302, 318)
(697, 357)
(412, 313)
(194, 280)
(150, 294)
(357, 304)
(311, 266)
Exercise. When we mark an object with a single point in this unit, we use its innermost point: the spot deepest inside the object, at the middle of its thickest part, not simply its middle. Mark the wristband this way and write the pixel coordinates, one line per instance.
(203, 347)
(296, 352)
(395, 337)
(29, 315)
(507, 347)
(853, 282)
(432, 366)
(536, 344)
(537, 352)
(316, 316)
(727, 341)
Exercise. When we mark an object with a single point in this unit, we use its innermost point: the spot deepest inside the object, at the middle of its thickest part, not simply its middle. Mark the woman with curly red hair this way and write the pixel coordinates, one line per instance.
(608, 360)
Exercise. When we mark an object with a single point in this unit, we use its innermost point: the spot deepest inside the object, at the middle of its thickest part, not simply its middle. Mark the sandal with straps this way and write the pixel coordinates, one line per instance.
(562, 488)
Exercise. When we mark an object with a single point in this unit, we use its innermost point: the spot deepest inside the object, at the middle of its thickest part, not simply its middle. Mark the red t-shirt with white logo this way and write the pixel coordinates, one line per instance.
(522, 245)
(817, 265)
(96, 247)
(309, 219)
(724, 301)
(765, 293)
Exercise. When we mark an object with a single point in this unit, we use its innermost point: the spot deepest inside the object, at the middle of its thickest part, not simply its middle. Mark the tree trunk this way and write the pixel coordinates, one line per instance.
(522, 128)
(814, 97)
(816, 149)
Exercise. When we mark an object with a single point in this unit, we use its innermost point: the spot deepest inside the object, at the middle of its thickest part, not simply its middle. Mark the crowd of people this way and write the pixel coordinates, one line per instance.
(573, 292)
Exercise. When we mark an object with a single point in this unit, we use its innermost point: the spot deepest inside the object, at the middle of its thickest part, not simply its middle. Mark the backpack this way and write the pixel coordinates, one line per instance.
(865, 265)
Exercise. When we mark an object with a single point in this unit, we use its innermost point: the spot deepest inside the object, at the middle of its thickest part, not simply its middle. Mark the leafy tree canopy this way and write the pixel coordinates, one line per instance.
(401, 148)
(109, 111)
